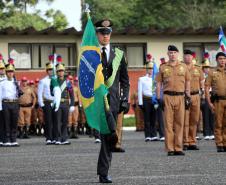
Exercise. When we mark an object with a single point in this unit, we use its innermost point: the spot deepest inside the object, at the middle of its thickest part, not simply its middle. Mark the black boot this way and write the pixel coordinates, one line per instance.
(20, 133)
(69, 130)
(26, 130)
(32, 129)
(76, 132)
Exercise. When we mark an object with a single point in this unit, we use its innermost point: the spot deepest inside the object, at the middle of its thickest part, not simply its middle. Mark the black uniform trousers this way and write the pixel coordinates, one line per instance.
(160, 122)
(208, 120)
(96, 134)
(61, 116)
(2, 123)
(49, 121)
(105, 155)
(10, 113)
(149, 118)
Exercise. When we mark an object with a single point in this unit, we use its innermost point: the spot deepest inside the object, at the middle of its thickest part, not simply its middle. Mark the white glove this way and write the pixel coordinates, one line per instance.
(72, 109)
(57, 97)
(156, 106)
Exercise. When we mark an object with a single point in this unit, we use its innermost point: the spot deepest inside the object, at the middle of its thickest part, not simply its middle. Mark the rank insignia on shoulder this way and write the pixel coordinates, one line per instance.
(181, 69)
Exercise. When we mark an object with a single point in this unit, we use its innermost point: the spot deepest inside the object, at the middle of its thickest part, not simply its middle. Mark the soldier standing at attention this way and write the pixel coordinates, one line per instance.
(117, 80)
(38, 112)
(207, 115)
(2, 78)
(45, 99)
(73, 116)
(192, 113)
(216, 79)
(9, 94)
(145, 103)
(66, 105)
(175, 78)
(27, 102)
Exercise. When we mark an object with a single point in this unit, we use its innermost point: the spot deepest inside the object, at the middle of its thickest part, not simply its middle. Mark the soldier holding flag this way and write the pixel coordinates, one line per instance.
(115, 73)
(66, 100)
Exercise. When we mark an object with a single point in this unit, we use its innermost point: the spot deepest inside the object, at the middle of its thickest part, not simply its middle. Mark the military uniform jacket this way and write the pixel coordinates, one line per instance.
(216, 79)
(67, 92)
(196, 77)
(173, 77)
(7, 91)
(119, 90)
(44, 91)
(28, 97)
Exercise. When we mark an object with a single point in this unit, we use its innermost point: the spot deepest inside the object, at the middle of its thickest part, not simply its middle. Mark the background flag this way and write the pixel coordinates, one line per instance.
(91, 81)
(55, 87)
(154, 73)
(222, 40)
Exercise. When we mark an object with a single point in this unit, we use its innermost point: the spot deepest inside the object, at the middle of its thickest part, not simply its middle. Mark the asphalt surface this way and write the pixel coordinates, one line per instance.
(34, 163)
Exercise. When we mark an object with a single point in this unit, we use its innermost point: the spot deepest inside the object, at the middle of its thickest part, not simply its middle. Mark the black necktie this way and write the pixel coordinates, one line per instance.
(104, 56)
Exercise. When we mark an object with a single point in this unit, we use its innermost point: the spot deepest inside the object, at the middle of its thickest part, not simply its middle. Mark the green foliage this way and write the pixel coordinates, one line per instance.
(15, 15)
(161, 14)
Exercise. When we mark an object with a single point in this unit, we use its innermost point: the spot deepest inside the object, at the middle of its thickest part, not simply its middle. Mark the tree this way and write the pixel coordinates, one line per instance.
(160, 14)
(118, 10)
(13, 13)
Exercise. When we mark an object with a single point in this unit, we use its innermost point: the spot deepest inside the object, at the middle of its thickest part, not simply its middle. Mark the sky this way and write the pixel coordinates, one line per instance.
(70, 8)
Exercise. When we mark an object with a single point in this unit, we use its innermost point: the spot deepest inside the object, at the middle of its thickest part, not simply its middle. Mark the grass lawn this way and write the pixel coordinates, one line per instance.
(129, 122)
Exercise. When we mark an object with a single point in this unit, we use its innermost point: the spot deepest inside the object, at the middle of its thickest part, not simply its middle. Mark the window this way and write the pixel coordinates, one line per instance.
(201, 48)
(134, 53)
(35, 56)
(212, 49)
(21, 53)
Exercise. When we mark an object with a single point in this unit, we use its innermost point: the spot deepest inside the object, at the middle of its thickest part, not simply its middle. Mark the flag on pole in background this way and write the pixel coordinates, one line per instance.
(91, 81)
(222, 40)
(154, 74)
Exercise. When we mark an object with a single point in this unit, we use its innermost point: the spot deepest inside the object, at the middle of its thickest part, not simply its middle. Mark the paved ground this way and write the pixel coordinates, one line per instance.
(33, 163)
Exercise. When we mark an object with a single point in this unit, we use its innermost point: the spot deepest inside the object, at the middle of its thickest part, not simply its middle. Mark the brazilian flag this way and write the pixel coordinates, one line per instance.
(93, 91)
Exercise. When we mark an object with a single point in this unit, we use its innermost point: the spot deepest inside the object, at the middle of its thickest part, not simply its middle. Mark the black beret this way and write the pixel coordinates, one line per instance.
(172, 48)
(104, 26)
(219, 54)
(188, 52)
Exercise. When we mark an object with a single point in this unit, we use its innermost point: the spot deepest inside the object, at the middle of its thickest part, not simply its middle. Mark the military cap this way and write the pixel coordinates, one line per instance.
(31, 82)
(37, 80)
(162, 60)
(188, 52)
(70, 77)
(49, 66)
(172, 48)
(76, 78)
(10, 65)
(60, 67)
(150, 65)
(205, 63)
(104, 26)
(2, 65)
(219, 54)
(24, 79)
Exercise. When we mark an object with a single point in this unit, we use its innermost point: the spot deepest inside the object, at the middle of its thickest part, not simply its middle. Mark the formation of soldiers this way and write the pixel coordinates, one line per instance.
(21, 107)
(185, 92)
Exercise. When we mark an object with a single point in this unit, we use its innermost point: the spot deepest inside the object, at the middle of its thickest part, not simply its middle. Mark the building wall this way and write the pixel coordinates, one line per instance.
(157, 45)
